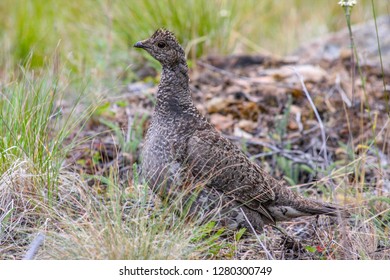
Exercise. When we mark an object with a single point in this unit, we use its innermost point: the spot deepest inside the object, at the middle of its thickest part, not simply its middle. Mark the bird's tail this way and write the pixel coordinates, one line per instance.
(291, 205)
(313, 207)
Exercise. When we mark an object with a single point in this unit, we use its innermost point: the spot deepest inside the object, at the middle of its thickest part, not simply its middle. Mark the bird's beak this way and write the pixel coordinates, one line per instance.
(139, 44)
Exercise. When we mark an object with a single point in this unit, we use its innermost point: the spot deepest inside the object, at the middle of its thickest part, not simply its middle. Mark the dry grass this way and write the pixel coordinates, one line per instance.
(131, 223)
(81, 224)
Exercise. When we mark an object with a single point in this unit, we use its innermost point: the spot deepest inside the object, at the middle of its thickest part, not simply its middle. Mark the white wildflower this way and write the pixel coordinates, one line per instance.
(224, 13)
(349, 3)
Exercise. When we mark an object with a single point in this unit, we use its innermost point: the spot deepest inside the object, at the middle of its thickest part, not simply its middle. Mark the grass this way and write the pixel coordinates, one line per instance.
(31, 124)
(126, 224)
(32, 149)
(382, 218)
(129, 142)
(59, 58)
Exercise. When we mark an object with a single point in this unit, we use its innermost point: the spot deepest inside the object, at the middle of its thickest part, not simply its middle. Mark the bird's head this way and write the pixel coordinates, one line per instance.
(164, 47)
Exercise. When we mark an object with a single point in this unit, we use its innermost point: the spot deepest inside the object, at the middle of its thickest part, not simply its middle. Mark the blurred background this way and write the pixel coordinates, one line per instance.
(97, 35)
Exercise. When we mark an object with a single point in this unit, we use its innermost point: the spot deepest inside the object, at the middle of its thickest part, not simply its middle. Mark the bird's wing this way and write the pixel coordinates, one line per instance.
(223, 166)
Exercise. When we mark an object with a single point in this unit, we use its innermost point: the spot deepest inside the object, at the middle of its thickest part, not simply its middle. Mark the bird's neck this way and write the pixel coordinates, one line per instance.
(173, 94)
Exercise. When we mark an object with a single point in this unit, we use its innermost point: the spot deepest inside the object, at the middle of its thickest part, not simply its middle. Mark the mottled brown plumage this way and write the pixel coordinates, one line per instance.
(184, 155)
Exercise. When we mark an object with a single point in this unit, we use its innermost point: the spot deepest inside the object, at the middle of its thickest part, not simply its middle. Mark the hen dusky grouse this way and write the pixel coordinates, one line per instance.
(184, 154)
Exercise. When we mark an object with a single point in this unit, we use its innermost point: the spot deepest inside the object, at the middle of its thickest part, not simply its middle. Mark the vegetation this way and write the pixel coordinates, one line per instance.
(62, 61)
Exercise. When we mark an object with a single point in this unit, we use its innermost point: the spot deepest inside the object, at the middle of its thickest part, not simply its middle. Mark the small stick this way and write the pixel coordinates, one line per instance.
(34, 247)
(322, 128)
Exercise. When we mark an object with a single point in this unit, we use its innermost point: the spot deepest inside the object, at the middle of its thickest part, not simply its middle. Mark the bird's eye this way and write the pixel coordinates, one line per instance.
(161, 45)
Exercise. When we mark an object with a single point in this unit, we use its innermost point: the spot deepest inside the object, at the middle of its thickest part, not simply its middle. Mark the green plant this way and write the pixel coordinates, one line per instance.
(32, 125)
(290, 169)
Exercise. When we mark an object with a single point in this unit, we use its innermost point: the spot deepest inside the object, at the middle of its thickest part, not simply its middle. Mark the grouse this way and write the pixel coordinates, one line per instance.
(184, 158)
